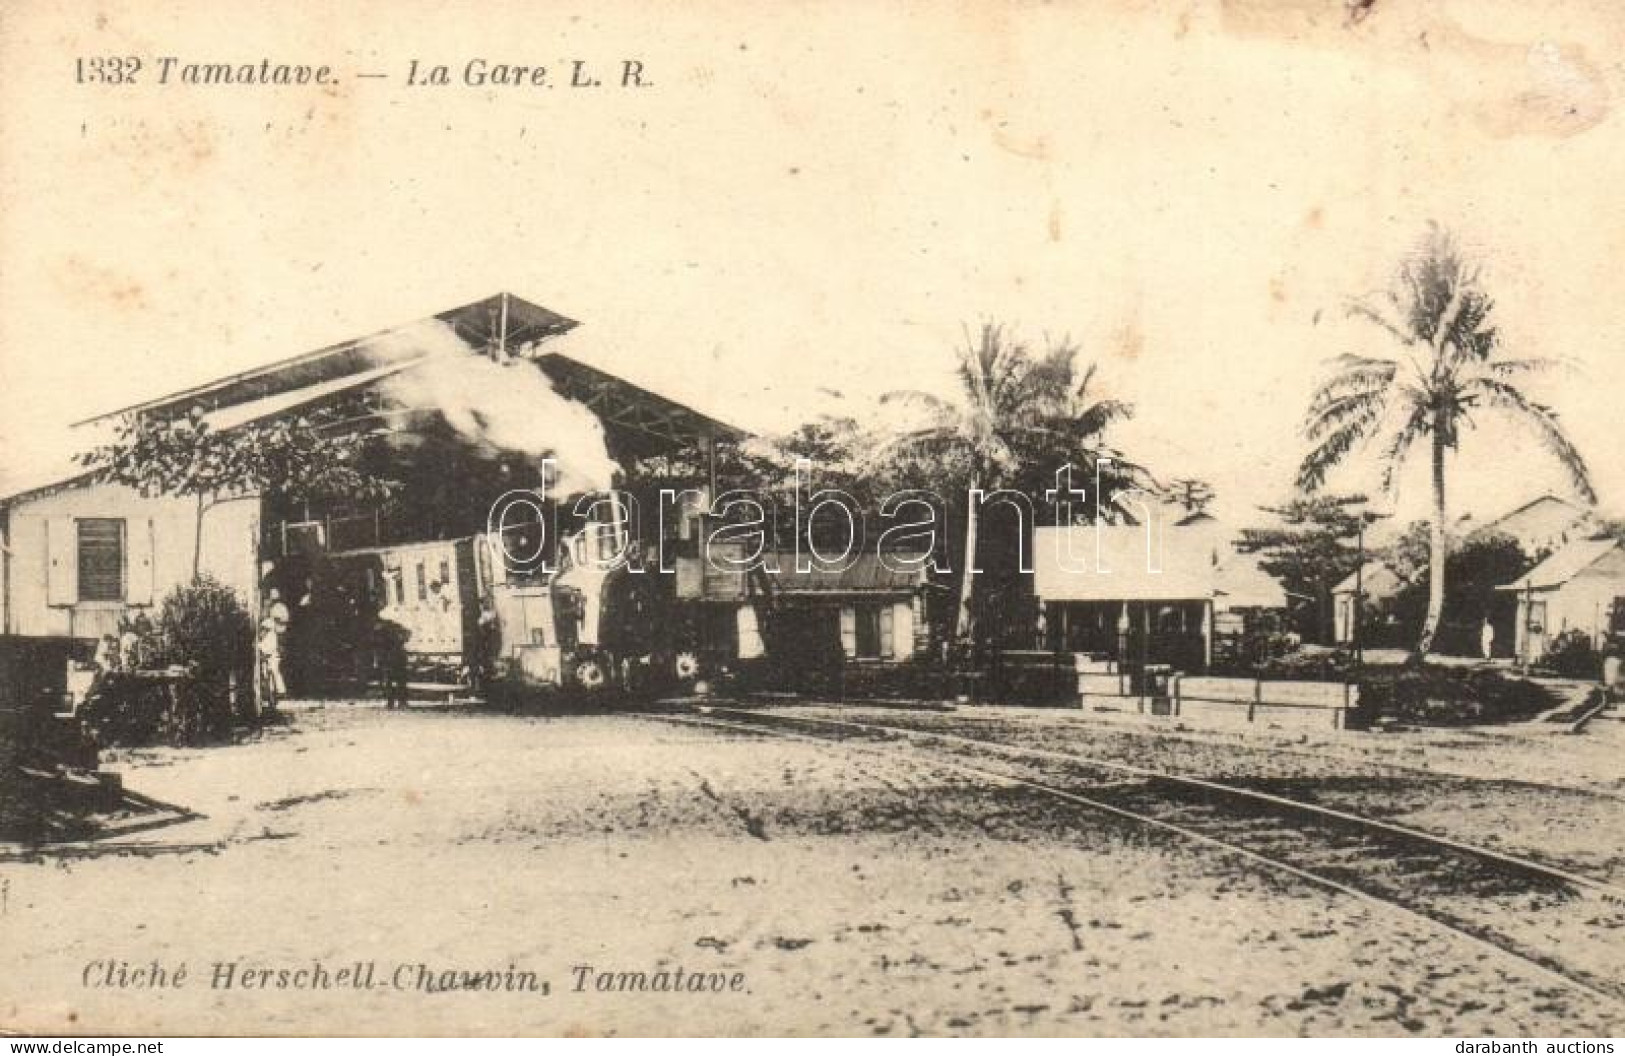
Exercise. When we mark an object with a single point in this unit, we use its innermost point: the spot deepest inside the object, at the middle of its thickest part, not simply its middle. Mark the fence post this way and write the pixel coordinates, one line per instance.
(1258, 698)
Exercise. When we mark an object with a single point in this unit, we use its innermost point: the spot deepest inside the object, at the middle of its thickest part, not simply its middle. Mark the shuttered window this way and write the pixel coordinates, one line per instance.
(868, 645)
(101, 559)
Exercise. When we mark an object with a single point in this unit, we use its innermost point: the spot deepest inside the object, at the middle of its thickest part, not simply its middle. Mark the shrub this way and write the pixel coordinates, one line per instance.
(204, 628)
(206, 637)
(1431, 695)
(1248, 652)
(1573, 656)
(137, 708)
(1312, 663)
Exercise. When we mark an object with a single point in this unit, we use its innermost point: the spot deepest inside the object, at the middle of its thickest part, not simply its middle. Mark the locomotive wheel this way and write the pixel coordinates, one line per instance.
(591, 674)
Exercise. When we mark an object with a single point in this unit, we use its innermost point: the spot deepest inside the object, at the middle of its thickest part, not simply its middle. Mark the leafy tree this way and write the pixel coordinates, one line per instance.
(1018, 416)
(1411, 551)
(824, 453)
(1474, 567)
(1444, 366)
(1312, 549)
(1193, 496)
(292, 456)
(766, 466)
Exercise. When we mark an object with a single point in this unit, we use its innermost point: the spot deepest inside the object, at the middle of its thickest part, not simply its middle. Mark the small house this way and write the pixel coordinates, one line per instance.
(1140, 593)
(1363, 590)
(1580, 587)
(875, 608)
(80, 556)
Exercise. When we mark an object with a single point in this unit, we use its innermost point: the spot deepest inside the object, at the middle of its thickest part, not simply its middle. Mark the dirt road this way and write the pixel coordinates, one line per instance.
(495, 874)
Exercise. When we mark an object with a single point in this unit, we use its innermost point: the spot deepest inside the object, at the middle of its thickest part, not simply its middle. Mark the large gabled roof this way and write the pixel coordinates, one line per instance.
(643, 422)
(503, 316)
(649, 421)
(1541, 522)
(620, 403)
(1561, 507)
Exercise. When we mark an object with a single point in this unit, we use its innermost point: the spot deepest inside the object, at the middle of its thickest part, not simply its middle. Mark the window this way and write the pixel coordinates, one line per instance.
(423, 583)
(868, 632)
(101, 559)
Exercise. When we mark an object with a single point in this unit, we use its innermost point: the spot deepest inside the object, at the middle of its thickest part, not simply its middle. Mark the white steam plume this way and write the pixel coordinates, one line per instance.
(509, 407)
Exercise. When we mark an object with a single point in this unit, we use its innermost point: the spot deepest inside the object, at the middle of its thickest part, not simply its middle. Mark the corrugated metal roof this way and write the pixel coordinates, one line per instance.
(1564, 565)
(1117, 563)
(475, 323)
(869, 574)
(1240, 584)
(240, 414)
(698, 579)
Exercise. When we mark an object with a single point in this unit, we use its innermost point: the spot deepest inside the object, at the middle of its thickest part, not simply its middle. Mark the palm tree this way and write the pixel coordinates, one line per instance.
(1446, 366)
(1017, 416)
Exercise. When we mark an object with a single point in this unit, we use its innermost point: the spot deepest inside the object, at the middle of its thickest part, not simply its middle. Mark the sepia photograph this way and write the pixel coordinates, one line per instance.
(823, 520)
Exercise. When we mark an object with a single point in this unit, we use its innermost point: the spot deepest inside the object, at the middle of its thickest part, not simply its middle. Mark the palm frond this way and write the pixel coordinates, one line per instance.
(919, 400)
(1356, 406)
(1329, 452)
(1081, 390)
(1509, 368)
(1542, 421)
(1399, 444)
(1364, 382)
(1096, 417)
(1360, 309)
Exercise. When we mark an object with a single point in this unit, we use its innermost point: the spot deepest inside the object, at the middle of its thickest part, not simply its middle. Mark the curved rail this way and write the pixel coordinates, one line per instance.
(1549, 964)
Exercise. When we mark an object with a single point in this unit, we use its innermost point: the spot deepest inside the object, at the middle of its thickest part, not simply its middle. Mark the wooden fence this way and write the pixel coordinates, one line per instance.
(1204, 698)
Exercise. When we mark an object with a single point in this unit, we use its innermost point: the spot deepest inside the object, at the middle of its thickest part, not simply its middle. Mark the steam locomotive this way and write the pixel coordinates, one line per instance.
(474, 622)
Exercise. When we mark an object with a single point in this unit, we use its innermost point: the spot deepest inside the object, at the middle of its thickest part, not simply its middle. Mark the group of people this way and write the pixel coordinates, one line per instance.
(273, 630)
(385, 638)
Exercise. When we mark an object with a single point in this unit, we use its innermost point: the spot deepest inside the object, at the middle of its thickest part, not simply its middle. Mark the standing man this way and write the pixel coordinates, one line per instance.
(1486, 639)
(390, 638)
(487, 646)
(272, 627)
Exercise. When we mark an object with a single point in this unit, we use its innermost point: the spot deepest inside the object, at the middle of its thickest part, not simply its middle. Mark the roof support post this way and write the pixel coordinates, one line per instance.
(709, 445)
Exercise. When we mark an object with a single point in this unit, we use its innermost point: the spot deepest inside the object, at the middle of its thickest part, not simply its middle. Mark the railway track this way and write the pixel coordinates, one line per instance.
(1560, 924)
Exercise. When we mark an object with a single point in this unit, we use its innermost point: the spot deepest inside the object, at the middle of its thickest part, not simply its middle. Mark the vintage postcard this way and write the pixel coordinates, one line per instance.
(834, 519)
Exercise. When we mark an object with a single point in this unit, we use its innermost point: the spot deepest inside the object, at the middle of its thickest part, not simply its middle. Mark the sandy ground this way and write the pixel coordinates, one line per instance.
(1526, 788)
(854, 894)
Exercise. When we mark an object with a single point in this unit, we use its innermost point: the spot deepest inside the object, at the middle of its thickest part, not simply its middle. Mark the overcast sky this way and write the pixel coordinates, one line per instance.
(814, 201)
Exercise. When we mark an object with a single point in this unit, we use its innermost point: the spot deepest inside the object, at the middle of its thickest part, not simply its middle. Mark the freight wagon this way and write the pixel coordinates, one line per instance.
(472, 621)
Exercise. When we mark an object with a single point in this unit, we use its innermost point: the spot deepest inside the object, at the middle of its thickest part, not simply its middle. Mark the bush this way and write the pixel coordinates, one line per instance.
(204, 628)
(146, 707)
(1311, 663)
(1431, 695)
(1573, 656)
(205, 639)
